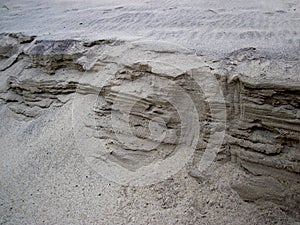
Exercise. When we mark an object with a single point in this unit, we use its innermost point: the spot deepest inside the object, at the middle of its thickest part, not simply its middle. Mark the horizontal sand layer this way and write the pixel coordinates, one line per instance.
(115, 132)
(204, 26)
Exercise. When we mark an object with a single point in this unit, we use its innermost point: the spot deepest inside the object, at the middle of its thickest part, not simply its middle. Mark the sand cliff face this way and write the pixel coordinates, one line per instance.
(141, 114)
(263, 134)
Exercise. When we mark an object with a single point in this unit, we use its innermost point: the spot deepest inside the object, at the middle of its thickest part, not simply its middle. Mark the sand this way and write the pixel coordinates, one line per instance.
(203, 26)
(45, 177)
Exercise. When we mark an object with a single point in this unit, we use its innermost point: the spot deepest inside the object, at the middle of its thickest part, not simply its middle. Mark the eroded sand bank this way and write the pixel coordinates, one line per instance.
(144, 113)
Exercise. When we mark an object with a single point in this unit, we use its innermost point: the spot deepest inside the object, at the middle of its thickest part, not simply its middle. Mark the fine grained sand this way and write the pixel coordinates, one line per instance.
(45, 179)
(205, 26)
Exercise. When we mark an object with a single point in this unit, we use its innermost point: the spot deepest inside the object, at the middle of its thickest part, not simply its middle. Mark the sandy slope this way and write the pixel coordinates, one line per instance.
(214, 26)
(44, 179)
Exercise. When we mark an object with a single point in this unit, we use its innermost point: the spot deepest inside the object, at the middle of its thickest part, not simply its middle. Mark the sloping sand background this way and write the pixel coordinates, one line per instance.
(43, 177)
(205, 26)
